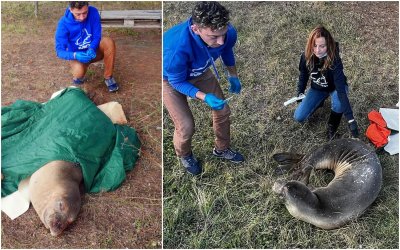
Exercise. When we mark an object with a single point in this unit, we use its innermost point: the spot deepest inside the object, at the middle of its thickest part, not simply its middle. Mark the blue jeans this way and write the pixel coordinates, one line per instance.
(313, 99)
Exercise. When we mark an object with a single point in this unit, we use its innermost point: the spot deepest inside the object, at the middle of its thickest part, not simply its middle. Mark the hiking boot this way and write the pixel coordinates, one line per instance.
(229, 154)
(333, 124)
(191, 164)
(331, 134)
(111, 84)
(78, 81)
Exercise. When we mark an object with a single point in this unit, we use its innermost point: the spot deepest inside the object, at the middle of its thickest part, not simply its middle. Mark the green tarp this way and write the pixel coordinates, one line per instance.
(69, 127)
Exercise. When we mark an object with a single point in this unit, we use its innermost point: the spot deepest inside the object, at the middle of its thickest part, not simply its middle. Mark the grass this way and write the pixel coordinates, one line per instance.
(233, 206)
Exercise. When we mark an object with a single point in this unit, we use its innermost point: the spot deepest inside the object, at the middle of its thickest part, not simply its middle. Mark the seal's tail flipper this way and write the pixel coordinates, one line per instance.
(287, 158)
(287, 162)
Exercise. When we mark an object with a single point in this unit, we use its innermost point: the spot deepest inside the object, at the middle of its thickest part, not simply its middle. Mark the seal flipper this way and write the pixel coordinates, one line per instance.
(287, 158)
(283, 169)
(287, 162)
(302, 175)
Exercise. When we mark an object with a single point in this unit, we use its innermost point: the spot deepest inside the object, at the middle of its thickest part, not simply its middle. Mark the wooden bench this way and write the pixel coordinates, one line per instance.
(131, 18)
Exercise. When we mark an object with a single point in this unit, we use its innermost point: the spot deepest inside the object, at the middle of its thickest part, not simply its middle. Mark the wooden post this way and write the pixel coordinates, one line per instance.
(36, 8)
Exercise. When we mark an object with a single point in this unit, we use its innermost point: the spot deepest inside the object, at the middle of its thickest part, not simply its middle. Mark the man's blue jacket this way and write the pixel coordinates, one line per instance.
(72, 36)
(186, 56)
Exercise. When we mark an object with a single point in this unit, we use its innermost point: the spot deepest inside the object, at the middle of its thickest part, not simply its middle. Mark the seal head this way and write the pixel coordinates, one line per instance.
(55, 192)
(59, 216)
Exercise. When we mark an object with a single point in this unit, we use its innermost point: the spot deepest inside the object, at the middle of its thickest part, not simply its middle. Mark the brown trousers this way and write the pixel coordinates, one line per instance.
(178, 108)
(105, 50)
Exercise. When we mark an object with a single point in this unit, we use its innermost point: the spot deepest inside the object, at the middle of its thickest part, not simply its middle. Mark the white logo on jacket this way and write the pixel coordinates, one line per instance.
(86, 40)
(201, 70)
(319, 79)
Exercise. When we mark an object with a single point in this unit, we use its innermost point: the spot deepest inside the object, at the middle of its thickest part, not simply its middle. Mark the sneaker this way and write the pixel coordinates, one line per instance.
(191, 164)
(111, 84)
(229, 154)
(78, 81)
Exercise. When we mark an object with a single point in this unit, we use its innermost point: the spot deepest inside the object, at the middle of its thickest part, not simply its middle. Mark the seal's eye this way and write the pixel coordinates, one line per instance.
(61, 206)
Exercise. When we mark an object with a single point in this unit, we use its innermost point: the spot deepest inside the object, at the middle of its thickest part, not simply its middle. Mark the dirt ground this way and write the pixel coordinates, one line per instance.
(129, 217)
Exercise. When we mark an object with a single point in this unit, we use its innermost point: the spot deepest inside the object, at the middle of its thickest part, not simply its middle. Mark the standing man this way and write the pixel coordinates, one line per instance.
(189, 51)
(78, 39)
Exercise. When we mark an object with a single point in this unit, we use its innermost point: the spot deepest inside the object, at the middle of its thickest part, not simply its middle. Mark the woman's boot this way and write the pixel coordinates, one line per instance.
(333, 124)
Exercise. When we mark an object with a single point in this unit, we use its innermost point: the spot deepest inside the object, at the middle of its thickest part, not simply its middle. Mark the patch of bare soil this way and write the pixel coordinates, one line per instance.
(378, 17)
(129, 217)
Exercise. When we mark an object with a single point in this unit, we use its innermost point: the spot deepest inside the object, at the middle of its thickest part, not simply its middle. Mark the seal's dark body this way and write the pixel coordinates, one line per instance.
(357, 182)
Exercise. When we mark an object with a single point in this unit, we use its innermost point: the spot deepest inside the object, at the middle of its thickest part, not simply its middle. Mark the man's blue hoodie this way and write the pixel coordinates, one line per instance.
(72, 36)
(186, 56)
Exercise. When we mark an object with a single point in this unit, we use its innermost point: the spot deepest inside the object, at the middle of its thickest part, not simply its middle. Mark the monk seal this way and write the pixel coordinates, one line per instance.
(356, 184)
(55, 192)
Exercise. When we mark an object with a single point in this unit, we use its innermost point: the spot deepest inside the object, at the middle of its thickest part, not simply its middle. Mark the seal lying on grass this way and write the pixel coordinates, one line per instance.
(357, 182)
(55, 192)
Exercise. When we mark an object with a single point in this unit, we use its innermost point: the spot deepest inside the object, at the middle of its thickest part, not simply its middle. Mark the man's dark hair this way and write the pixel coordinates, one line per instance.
(210, 14)
(78, 4)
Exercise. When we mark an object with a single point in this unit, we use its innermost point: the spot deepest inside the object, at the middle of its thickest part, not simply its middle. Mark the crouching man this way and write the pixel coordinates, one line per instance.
(78, 39)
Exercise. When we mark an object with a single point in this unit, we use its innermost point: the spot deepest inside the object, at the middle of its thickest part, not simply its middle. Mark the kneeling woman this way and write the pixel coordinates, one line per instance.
(322, 64)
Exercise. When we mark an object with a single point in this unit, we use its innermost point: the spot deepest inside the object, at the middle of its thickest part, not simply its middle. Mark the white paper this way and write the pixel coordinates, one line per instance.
(294, 99)
(391, 116)
(14, 205)
(17, 203)
(392, 147)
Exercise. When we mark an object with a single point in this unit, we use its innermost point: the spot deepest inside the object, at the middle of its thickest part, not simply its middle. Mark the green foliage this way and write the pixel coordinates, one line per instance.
(121, 31)
(18, 10)
(16, 28)
(232, 206)
(127, 5)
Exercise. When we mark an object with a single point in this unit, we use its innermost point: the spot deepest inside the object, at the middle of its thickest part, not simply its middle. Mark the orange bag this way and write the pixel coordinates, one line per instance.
(376, 117)
(377, 132)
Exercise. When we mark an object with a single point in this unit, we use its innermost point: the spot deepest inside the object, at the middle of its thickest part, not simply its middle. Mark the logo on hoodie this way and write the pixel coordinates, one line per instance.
(319, 79)
(201, 70)
(83, 42)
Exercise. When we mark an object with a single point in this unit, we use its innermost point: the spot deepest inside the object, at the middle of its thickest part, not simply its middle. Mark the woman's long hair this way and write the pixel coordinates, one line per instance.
(318, 32)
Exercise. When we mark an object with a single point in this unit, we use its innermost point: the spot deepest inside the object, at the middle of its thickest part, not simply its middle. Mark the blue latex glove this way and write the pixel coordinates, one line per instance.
(90, 52)
(82, 57)
(214, 102)
(235, 84)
